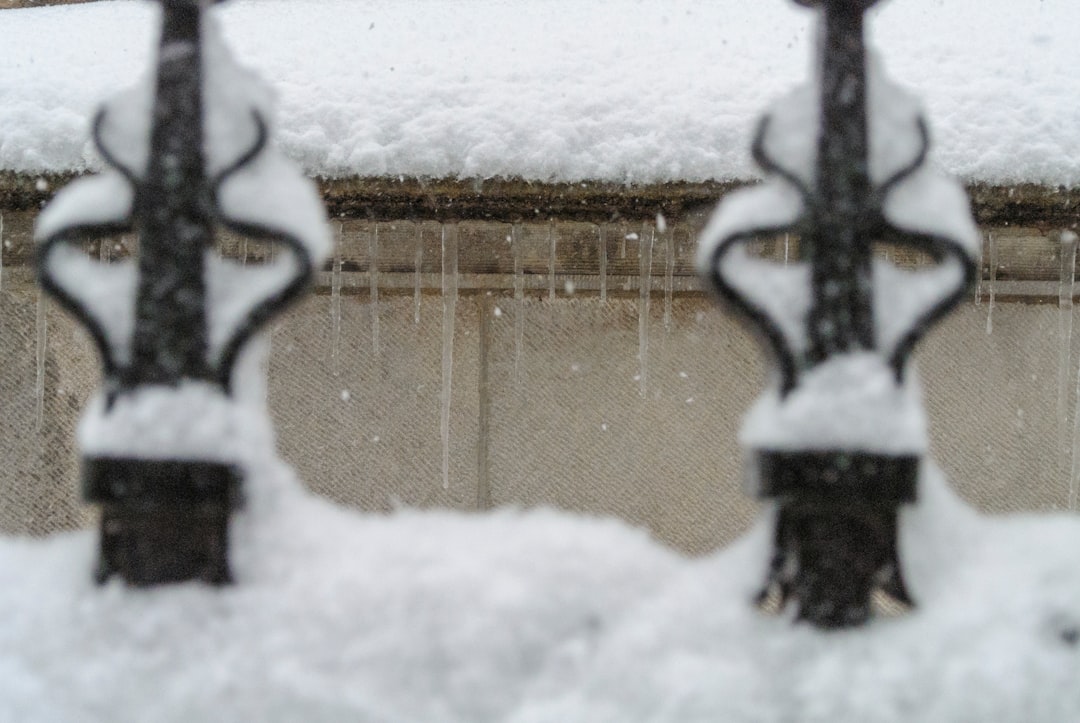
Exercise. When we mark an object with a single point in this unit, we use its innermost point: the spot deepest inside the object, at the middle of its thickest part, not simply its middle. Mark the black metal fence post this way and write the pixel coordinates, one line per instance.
(840, 314)
(165, 505)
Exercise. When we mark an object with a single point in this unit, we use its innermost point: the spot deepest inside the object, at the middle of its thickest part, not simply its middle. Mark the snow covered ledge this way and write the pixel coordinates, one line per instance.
(398, 120)
(473, 113)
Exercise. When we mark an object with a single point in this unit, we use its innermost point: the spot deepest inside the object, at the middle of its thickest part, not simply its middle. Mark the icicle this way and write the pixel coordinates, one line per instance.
(1065, 329)
(551, 260)
(1068, 277)
(449, 298)
(419, 262)
(979, 277)
(602, 229)
(335, 305)
(669, 276)
(1074, 474)
(645, 249)
(373, 284)
(272, 256)
(244, 251)
(42, 329)
(269, 350)
(519, 301)
(991, 282)
(787, 247)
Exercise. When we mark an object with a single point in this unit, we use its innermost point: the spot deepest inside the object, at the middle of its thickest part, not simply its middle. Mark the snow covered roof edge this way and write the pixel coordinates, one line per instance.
(560, 91)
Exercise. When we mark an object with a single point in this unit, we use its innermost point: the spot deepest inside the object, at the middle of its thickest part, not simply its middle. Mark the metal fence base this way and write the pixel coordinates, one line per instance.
(836, 531)
(163, 521)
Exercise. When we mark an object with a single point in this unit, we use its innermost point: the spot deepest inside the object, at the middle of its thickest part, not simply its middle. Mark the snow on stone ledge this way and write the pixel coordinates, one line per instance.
(541, 616)
(615, 90)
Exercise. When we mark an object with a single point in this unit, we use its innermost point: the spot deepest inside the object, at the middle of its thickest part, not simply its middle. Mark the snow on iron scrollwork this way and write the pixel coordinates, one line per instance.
(187, 152)
(839, 438)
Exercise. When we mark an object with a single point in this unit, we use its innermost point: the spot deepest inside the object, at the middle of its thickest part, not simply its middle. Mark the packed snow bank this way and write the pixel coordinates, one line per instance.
(335, 617)
(617, 90)
(537, 616)
(994, 638)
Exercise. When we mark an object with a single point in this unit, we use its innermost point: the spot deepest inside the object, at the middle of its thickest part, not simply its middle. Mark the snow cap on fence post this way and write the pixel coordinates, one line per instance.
(838, 440)
(169, 439)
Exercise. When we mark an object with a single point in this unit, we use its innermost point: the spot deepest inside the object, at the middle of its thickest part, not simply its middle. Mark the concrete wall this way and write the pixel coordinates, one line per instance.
(626, 405)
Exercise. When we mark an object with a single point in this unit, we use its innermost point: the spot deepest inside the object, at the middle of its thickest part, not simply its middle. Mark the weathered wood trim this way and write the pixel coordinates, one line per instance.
(516, 199)
(1046, 208)
(15, 4)
(1022, 223)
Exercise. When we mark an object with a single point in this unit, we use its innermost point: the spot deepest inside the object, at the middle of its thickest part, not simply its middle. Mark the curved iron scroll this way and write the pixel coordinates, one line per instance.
(122, 372)
(171, 325)
(855, 178)
(787, 355)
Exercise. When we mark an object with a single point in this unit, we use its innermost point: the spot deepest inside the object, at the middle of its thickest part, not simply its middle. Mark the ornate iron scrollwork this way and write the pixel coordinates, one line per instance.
(165, 446)
(839, 440)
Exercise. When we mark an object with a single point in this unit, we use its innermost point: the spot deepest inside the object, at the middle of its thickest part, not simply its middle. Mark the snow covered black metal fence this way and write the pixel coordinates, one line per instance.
(165, 445)
(839, 442)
